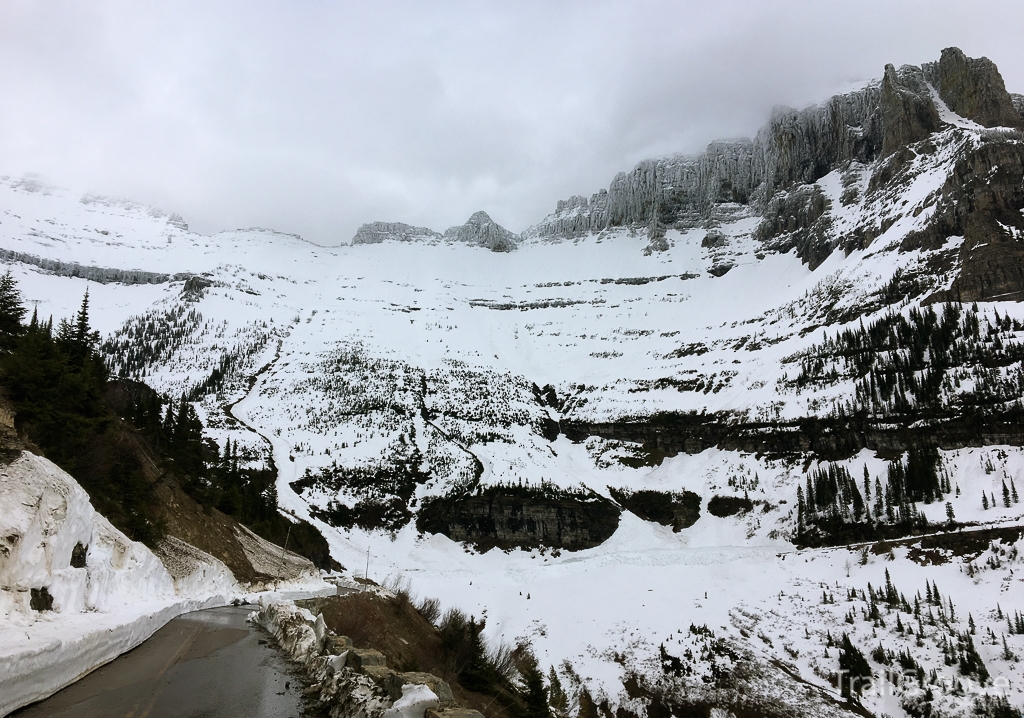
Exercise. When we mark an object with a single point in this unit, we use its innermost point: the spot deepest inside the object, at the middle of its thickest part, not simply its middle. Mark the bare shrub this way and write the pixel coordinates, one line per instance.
(401, 587)
(502, 658)
(430, 609)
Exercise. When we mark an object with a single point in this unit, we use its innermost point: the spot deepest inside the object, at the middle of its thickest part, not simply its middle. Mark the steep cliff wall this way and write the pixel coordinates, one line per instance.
(524, 517)
(794, 147)
(973, 88)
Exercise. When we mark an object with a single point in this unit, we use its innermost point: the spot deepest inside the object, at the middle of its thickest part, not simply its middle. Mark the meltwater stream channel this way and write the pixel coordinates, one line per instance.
(206, 664)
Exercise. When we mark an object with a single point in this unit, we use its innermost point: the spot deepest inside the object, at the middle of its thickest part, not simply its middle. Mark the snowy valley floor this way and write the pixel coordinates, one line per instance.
(603, 614)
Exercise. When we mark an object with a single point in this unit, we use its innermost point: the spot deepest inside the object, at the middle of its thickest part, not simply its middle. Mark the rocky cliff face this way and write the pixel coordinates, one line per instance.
(908, 113)
(483, 231)
(795, 147)
(377, 232)
(982, 201)
(510, 517)
(973, 88)
(479, 230)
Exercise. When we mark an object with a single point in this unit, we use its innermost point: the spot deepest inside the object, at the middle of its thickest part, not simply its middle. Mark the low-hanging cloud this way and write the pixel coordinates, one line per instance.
(313, 117)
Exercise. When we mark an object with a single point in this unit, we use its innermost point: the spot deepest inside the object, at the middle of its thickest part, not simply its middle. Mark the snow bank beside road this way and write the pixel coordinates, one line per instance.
(57, 553)
(76, 593)
(57, 650)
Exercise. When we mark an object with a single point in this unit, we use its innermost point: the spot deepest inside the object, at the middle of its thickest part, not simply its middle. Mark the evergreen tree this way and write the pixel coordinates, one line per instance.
(557, 697)
(534, 694)
(984, 501)
(1006, 495)
(1013, 492)
(971, 663)
(11, 312)
(476, 675)
(81, 339)
(855, 671)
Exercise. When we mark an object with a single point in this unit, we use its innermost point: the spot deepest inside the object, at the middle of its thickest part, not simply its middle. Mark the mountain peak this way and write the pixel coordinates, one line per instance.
(483, 231)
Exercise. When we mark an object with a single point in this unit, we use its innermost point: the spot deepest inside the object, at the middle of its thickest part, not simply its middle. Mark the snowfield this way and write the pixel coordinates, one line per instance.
(439, 356)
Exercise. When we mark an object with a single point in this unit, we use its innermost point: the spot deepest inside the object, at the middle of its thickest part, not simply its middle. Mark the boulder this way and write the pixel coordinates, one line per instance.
(361, 658)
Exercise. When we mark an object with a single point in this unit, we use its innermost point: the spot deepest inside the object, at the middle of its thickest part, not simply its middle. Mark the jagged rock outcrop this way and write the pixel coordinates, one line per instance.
(982, 201)
(799, 219)
(483, 231)
(377, 232)
(795, 147)
(907, 110)
(731, 176)
(973, 88)
(480, 230)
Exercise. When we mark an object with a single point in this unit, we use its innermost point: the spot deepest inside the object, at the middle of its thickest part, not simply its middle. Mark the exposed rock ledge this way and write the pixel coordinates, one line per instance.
(479, 230)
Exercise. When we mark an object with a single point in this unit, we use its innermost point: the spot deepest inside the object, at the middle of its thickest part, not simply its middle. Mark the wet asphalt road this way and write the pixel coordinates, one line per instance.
(207, 664)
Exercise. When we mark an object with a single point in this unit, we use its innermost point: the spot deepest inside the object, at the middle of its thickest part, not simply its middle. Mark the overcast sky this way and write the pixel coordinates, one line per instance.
(312, 117)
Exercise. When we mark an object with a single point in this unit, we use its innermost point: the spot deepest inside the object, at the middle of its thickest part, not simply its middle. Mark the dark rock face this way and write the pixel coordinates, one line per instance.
(511, 517)
(1018, 105)
(973, 88)
(722, 506)
(908, 113)
(680, 510)
(982, 202)
(483, 231)
(798, 218)
(714, 239)
(669, 434)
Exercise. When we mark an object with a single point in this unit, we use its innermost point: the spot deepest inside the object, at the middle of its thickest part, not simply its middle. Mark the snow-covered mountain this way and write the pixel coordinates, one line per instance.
(612, 440)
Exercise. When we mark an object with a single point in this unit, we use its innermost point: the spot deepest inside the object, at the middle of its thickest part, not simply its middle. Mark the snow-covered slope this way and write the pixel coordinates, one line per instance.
(747, 353)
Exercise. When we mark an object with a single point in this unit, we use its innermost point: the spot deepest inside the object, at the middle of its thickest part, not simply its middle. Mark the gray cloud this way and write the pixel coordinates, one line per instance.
(313, 117)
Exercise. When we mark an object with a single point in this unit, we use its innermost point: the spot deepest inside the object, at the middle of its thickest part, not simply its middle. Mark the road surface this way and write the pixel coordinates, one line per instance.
(207, 664)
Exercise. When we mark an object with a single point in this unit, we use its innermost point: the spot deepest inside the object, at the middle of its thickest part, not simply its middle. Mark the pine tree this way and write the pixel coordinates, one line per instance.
(855, 671)
(949, 512)
(984, 501)
(1013, 492)
(476, 675)
(81, 340)
(1006, 495)
(11, 312)
(535, 695)
(557, 697)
